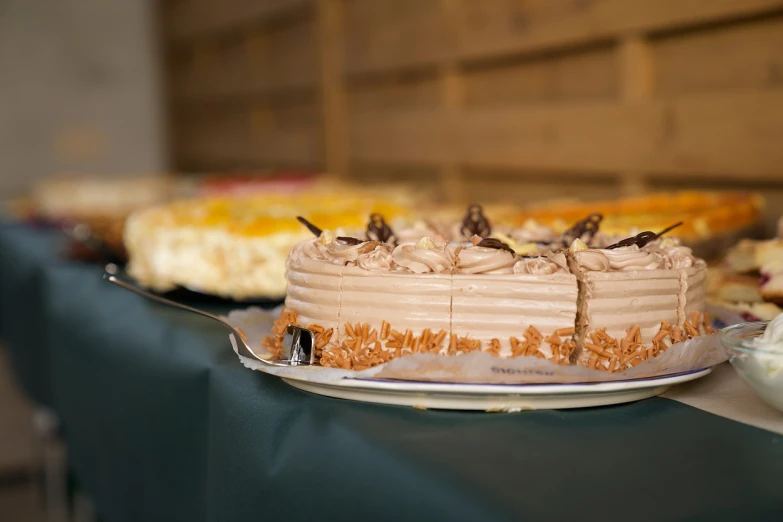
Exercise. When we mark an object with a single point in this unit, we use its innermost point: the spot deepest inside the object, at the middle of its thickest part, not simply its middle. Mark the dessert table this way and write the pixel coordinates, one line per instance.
(163, 423)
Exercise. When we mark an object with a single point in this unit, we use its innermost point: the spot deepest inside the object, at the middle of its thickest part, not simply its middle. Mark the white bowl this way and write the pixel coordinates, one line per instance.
(761, 369)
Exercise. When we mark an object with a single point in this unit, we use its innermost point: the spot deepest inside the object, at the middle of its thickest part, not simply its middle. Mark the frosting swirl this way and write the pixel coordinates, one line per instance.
(674, 255)
(592, 260)
(378, 259)
(327, 248)
(677, 257)
(549, 264)
(482, 260)
(424, 256)
(632, 258)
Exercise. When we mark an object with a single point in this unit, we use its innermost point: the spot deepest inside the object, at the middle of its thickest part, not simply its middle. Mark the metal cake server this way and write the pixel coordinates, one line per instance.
(298, 343)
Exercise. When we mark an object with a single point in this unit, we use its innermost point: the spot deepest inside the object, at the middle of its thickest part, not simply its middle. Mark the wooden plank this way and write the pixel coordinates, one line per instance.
(266, 62)
(733, 135)
(636, 86)
(584, 74)
(290, 136)
(636, 70)
(452, 96)
(396, 92)
(522, 188)
(330, 23)
(491, 27)
(399, 137)
(284, 57)
(734, 57)
(392, 34)
(246, 136)
(199, 18)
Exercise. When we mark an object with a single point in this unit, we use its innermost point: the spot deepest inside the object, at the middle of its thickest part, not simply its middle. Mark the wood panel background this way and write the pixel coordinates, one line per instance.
(484, 99)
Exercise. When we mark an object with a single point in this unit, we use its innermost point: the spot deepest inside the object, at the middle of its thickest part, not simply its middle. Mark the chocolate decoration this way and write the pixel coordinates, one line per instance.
(643, 239)
(475, 223)
(588, 225)
(312, 228)
(491, 242)
(350, 240)
(378, 230)
(317, 231)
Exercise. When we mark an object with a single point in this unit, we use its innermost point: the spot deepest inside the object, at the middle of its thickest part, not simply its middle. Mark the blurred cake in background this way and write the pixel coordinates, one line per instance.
(78, 198)
(236, 247)
(711, 220)
(750, 280)
(94, 210)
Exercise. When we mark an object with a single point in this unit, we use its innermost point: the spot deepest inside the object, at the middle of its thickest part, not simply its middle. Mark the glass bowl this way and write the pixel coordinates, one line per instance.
(761, 369)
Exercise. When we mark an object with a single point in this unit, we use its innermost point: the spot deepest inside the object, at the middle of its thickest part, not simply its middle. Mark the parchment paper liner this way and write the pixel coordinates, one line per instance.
(479, 367)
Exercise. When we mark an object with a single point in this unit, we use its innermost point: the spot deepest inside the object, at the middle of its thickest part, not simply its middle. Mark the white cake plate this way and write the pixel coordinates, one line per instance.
(496, 397)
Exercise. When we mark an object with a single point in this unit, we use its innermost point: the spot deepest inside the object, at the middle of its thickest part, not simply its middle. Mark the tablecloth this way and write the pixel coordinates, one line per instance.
(163, 423)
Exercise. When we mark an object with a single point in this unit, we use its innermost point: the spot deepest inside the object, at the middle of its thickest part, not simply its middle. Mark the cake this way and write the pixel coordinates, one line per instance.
(764, 258)
(235, 247)
(706, 215)
(368, 301)
(771, 285)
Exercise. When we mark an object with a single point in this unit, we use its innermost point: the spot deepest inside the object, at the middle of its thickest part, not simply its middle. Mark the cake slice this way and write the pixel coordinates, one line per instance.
(739, 288)
(769, 252)
(772, 281)
(753, 311)
(741, 258)
(523, 314)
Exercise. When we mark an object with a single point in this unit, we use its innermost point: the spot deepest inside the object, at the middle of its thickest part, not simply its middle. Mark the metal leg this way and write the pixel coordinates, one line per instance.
(83, 508)
(53, 457)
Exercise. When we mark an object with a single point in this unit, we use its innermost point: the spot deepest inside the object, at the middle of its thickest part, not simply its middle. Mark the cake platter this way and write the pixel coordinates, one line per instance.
(495, 397)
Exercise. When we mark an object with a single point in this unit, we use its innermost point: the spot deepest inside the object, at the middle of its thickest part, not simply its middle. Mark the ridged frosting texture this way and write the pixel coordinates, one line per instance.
(617, 300)
(404, 300)
(490, 307)
(490, 294)
(314, 291)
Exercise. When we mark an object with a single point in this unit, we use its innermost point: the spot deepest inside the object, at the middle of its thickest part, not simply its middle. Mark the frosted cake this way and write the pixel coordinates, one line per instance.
(611, 307)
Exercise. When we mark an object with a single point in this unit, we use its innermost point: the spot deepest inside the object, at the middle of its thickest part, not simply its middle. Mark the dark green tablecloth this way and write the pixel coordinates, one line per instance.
(163, 423)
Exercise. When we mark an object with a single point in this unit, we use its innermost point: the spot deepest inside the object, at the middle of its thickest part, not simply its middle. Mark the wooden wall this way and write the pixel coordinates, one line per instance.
(490, 99)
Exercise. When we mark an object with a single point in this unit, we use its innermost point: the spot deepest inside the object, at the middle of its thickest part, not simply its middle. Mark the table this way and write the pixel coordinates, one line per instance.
(163, 423)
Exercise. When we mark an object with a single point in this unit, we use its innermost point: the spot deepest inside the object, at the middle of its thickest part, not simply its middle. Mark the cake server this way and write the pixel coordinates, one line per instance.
(298, 343)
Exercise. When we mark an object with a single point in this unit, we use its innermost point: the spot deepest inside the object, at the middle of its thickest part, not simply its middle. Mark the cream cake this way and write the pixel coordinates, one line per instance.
(234, 247)
(764, 257)
(611, 308)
